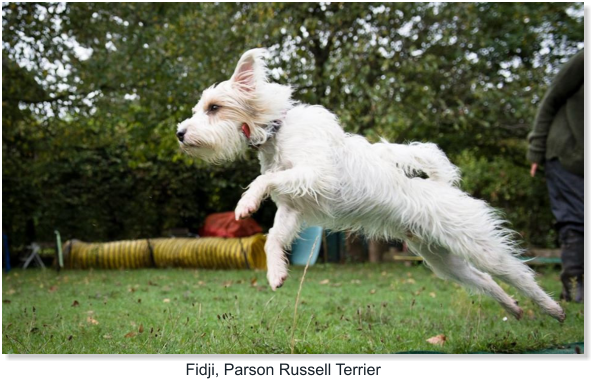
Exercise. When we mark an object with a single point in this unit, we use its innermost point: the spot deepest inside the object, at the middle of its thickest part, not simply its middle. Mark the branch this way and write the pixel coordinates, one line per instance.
(515, 127)
(37, 101)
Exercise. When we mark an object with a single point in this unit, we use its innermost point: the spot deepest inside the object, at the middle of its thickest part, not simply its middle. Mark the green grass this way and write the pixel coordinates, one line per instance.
(382, 308)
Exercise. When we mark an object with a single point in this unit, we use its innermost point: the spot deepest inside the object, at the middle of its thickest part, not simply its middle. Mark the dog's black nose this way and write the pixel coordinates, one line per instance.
(180, 135)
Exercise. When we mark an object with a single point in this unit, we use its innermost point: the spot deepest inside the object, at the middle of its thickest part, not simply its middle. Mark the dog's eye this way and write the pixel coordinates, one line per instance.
(213, 108)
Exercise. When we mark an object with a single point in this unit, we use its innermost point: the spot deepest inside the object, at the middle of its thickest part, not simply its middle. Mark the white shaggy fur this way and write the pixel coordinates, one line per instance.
(319, 175)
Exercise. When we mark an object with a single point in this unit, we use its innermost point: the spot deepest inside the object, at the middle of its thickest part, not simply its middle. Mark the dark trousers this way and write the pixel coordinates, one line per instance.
(566, 192)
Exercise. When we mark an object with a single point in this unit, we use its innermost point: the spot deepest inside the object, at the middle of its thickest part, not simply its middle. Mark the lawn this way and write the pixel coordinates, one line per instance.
(361, 308)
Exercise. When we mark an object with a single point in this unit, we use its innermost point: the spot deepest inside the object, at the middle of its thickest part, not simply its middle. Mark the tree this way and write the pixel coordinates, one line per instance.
(92, 93)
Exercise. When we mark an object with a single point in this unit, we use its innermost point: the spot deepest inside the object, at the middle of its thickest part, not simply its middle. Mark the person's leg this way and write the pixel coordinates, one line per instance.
(566, 192)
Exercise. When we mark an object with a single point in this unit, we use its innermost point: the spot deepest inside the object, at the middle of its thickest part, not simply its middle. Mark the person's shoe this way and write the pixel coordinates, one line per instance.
(572, 262)
(573, 289)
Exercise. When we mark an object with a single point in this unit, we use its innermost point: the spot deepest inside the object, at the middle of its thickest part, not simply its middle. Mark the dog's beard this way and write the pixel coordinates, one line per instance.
(218, 143)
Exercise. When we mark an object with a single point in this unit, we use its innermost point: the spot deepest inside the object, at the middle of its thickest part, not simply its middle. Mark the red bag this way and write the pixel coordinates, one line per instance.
(225, 225)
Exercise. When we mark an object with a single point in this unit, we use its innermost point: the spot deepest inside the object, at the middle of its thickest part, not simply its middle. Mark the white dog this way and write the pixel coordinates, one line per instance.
(319, 175)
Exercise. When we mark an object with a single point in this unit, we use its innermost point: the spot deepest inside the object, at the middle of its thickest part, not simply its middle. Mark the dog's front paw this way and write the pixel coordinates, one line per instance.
(246, 206)
(277, 278)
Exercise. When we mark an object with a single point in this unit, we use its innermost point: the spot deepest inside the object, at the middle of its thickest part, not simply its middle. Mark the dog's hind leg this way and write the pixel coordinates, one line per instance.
(285, 228)
(495, 257)
(473, 231)
(446, 265)
(514, 272)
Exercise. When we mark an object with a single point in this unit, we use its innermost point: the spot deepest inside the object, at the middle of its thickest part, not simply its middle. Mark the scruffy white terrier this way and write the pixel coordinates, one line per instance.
(319, 175)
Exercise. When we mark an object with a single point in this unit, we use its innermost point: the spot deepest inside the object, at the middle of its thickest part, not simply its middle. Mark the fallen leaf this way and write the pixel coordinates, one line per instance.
(53, 289)
(130, 334)
(166, 300)
(253, 282)
(228, 283)
(11, 291)
(437, 340)
(141, 329)
(432, 294)
(70, 337)
(107, 336)
(411, 281)
(75, 304)
(373, 291)
(6, 301)
(324, 281)
(91, 320)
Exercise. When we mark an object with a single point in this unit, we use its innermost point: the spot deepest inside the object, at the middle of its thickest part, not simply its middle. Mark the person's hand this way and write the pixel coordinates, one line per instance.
(533, 169)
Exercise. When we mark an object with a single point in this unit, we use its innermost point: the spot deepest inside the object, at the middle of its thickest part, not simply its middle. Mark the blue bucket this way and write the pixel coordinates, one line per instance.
(303, 245)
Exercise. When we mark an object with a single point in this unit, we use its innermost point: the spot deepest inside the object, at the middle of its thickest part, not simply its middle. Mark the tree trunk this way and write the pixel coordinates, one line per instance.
(354, 248)
(376, 249)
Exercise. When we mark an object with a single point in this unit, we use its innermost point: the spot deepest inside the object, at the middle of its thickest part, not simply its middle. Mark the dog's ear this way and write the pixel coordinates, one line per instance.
(250, 70)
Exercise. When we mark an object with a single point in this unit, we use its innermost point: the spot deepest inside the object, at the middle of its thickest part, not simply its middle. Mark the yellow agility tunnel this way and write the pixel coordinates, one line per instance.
(208, 252)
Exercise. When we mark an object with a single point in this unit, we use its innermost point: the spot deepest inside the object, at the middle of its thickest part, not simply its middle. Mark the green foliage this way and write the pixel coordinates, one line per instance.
(508, 186)
(92, 93)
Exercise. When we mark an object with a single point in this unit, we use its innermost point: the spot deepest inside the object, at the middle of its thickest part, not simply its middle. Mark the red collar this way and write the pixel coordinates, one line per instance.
(272, 129)
(246, 131)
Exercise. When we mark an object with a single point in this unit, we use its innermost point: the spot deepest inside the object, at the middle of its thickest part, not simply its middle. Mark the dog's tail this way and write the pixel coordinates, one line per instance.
(420, 158)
